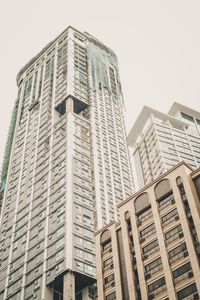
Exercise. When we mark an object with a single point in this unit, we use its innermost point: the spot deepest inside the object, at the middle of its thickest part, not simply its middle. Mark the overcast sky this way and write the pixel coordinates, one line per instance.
(157, 43)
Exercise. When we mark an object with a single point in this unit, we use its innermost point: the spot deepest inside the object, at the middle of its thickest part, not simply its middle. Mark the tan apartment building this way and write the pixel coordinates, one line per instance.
(153, 252)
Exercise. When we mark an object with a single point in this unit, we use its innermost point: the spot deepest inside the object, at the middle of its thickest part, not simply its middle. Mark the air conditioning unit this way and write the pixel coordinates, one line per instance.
(172, 201)
(147, 276)
(145, 256)
(111, 266)
(176, 218)
(151, 296)
(113, 283)
(139, 223)
(190, 274)
(185, 253)
(132, 251)
(196, 296)
(180, 235)
(110, 250)
(142, 240)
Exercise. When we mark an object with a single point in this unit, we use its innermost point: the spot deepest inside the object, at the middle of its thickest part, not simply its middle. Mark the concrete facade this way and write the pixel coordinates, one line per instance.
(69, 169)
(160, 225)
(159, 141)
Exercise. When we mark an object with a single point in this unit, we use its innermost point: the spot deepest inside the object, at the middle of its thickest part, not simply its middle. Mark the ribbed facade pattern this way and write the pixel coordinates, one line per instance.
(69, 167)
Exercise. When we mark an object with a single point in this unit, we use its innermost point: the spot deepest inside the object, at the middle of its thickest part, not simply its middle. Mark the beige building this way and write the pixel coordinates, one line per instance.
(154, 251)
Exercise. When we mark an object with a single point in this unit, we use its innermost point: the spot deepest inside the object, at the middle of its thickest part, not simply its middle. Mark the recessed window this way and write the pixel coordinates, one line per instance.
(181, 270)
(178, 251)
(168, 217)
(187, 291)
(111, 296)
(173, 232)
(154, 266)
(109, 278)
(148, 231)
(107, 245)
(150, 248)
(156, 285)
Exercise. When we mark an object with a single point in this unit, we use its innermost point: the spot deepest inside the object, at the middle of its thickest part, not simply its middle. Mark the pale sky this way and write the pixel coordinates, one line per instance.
(157, 43)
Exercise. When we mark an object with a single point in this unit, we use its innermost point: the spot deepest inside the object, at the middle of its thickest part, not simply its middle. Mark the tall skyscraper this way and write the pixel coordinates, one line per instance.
(153, 252)
(68, 169)
(160, 141)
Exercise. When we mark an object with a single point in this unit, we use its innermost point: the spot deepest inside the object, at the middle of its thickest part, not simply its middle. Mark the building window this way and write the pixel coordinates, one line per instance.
(144, 214)
(150, 248)
(181, 270)
(157, 285)
(165, 201)
(168, 217)
(107, 245)
(147, 231)
(154, 266)
(162, 189)
(111, 296)
(178, 252)
(189, 290)
(109, 278)
(196, 181)
(108, 263)
(173, 233)
(187, 117)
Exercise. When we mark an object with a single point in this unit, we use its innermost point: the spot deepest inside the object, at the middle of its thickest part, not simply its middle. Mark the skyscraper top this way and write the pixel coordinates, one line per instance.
(159, 141)
(88, 36)
(142, 119)
(180, 108)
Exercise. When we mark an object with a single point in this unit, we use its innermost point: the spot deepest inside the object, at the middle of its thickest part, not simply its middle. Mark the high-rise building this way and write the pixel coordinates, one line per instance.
(153, 252)
(68, 169)
(160, 141)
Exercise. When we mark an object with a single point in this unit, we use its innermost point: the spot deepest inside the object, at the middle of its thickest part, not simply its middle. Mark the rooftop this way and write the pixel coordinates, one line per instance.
(143, 117)
(182, 163)
(179, 107)
(86, 34)
(142, 190)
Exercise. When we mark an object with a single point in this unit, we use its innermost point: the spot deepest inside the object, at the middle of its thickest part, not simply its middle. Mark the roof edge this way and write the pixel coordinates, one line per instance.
(155, 180)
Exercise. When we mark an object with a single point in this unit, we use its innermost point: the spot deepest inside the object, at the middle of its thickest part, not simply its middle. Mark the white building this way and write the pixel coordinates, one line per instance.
(69, 169)
(159, 141)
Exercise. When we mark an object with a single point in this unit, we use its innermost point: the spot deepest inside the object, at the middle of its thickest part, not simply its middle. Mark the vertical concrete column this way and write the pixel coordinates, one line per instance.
(184, 223)
(162, 246)
(85, 294)
(128, 261)
(48, 293)
(69, 105)
(69, 286)
(70, 62)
